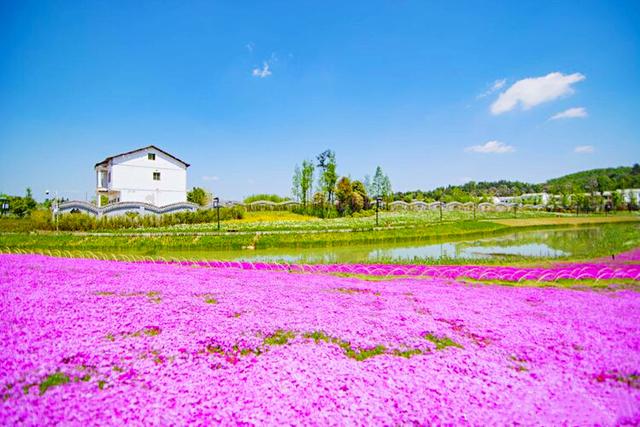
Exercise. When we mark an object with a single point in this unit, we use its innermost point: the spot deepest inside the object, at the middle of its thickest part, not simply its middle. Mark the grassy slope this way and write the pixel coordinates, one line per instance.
(238, 241)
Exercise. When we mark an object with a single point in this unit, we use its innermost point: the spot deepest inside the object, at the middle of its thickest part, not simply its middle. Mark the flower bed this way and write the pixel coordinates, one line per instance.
(89, 342)
(574, 271)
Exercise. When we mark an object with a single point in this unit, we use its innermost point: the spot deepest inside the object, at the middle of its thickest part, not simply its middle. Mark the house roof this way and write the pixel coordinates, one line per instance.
(105, 161)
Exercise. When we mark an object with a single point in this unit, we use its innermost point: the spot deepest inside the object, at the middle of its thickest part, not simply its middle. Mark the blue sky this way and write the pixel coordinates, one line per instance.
(434, 92)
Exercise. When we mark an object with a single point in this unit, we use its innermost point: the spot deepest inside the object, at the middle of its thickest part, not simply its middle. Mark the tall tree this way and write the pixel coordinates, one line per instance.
(344, 193)
(377, 183)
(328, 176)
(296, 190)
(387, 192)
(361, 189)
(381, 185)
(306, 181)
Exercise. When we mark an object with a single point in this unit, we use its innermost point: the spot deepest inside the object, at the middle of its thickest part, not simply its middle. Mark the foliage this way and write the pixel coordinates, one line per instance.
(84, 222)
(607, 179)
(328, 175)
(306, 181)
(296, 181)
(381, 185)
(590, 181)
(351, 196)
(22, 206)
(53, 380)
(199, 196)
(265, 197)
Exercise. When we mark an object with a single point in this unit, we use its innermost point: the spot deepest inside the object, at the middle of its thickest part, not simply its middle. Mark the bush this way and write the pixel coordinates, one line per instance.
(364, 213)
(84, 222)
(41, 220)
(265, 197)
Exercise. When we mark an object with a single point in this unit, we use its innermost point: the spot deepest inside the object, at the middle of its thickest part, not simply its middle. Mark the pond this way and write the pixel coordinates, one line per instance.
(576, 242)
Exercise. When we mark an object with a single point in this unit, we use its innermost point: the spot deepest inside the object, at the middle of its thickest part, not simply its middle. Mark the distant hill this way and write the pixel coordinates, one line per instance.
(597, 180)
(580, 182)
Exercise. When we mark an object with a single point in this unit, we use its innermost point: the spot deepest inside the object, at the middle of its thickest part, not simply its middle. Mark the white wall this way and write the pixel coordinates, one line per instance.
(132, 175)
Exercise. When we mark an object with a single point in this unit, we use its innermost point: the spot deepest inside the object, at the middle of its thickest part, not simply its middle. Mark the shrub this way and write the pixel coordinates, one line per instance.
(84, 222)
(265, 197)
(41, 220)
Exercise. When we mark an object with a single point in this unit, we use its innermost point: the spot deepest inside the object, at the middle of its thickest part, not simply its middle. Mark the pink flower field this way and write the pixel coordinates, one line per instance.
(88, 342)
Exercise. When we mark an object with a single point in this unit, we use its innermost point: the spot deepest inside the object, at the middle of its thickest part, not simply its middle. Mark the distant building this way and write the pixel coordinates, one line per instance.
(147, 175)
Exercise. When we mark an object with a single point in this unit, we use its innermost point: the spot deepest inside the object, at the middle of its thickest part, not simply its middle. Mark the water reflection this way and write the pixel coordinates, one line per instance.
(577, 241)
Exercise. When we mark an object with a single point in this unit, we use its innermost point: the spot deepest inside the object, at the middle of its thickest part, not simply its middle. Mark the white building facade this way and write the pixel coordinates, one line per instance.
(147, 175)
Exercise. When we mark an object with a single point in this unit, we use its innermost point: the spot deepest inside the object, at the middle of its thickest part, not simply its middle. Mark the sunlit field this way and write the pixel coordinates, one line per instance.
(100, 342)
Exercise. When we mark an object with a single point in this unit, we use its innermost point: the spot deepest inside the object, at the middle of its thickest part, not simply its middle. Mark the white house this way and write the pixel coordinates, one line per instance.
(147, 175)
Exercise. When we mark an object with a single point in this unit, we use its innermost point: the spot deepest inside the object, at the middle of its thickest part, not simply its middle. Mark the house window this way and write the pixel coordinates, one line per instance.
(151, 156)
(156, 176)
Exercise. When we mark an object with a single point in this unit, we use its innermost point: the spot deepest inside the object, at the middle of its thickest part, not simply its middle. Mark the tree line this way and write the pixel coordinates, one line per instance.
(329, 194)
(580, 183)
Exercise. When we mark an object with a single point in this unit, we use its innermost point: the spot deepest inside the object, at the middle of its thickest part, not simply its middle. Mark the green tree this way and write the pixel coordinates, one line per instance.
(344, 194)
(328, 176)
(376, 186)
(22, 206)
(199, 196)
(296, 190)
(306, 181)
(360, 189)
(387, 191)
(616, 200)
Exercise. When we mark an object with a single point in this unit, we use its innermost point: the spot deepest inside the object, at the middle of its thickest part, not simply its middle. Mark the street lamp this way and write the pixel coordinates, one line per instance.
(378, 200)
(216, 205)
(54, 208)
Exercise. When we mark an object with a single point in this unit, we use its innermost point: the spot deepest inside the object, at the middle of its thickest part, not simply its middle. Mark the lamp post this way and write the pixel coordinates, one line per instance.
(378, 200)
(54, 208)
(216, 205)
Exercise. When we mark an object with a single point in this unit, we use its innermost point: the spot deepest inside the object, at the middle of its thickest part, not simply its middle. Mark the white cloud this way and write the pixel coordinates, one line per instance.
(571, 113)
(584, 149)
(535, 90)
(497, 85)
(491, 147)
(262, 72)
(249, 47)
(210, 178)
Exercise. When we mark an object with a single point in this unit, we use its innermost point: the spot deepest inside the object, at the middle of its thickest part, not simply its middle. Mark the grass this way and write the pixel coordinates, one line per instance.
(578, 284)
(150, 244)
(279, 221)
(53, 380)
(442, 342)
(269, 216)
(577, 220)
(398, 228)
(279, 337)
